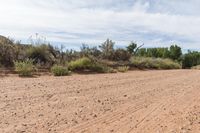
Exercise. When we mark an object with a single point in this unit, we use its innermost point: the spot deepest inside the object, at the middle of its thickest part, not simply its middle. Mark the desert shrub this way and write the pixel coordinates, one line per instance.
(154, 63)
(7, 51)
(24, 68)
(110, 70)
(107, 49)
(41, 54)
(123, 69)
(60, 70)
(87, 51)
(101, 68)
(80, 64)
(87, 64)
(196, 67)
(121, 55)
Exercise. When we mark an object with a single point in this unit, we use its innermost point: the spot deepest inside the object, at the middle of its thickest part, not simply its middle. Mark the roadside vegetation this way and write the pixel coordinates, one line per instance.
(24, 68)
(196, 67)
(123, 69)
(105, 58)
(60, 70)
(154, 63)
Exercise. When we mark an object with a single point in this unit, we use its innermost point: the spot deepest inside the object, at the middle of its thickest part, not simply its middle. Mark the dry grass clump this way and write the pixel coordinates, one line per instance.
(123, 69)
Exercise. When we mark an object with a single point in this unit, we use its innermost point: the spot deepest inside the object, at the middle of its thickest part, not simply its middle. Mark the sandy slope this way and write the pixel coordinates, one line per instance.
(134, 102)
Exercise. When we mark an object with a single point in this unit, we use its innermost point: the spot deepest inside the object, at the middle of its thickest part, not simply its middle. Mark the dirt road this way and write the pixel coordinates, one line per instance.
(133, 102)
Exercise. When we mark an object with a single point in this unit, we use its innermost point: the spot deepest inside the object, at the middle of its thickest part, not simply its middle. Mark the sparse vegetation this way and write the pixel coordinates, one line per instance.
(196, 67)
(106, 69)
(24, 68)
(60, 70)
(104, 58)
(123, 69)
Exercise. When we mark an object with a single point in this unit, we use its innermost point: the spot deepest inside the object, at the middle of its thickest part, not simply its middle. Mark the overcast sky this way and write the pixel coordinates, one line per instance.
(73, 22)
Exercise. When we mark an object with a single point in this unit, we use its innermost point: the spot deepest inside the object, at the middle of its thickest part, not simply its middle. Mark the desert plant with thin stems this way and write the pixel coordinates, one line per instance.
(24, 68)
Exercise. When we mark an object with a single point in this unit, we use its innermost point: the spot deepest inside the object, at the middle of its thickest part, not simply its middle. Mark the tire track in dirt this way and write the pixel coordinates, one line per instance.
(160, 106)
(141, 99)
(116, 118)
(160, 112)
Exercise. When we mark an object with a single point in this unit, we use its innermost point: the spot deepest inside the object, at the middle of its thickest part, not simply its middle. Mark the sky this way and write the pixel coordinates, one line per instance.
(154, 23)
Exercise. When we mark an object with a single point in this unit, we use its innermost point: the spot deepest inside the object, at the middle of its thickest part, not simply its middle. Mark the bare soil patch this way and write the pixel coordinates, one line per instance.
(133, 102)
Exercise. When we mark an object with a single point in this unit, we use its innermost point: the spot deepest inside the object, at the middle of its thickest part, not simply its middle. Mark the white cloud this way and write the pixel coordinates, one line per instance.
(154, 23)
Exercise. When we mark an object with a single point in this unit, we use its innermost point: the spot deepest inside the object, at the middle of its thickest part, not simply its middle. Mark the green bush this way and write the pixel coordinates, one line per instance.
(80, 64)
(87, 64)
(191, 59)
(123, 69)
(41, 54)
(154, 63)
(100, 68)
(60, 70)
(24, 68)
(174, 52)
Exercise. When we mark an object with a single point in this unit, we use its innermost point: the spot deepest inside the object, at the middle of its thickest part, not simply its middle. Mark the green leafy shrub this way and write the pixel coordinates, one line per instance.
(123, 69)
(41, 54)
(174, 52)
(60, 70)
(191, 59)
(80, 64)
(87, 64)
(100, 68)
(154, 63)
(24, 68)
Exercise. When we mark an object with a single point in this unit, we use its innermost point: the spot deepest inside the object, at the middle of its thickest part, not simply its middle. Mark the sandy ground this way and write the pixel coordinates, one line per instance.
(134, 102)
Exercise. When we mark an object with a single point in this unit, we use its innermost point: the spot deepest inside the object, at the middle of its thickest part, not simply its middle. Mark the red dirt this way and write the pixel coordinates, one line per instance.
(133, 102)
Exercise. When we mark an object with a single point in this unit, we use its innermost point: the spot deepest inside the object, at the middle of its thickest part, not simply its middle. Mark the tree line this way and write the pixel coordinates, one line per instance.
(47, 55)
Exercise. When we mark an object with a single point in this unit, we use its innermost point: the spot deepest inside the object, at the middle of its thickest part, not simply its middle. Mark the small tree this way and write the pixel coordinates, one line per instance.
(87, 51)
(133, 48)
(107, 49)
(175, 52)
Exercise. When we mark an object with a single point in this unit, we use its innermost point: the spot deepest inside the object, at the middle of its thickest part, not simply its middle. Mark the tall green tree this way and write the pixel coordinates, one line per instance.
(190, 59)
(175, 52)
(132, 47)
